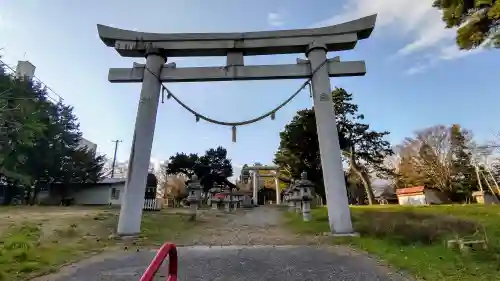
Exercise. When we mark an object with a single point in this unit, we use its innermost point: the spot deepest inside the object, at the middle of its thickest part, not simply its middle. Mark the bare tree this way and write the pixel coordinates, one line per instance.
(391, 163)
(174, 187)
(426, 158)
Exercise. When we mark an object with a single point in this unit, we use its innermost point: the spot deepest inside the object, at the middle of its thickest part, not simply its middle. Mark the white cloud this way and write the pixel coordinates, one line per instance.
(239, 166)
(275, 19)
(416, 69)
(155, 163)
(415, 21)
(236, 172)
(445, 53)
(452, 52)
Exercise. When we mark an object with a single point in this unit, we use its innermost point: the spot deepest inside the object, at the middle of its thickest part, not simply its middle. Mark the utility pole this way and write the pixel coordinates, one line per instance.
(114, 158)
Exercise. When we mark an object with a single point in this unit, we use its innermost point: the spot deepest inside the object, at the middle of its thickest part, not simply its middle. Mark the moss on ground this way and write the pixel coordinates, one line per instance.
(31, 248)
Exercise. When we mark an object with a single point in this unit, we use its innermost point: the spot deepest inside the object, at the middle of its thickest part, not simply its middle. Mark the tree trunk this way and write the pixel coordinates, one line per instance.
(364, 178)
(366, 184)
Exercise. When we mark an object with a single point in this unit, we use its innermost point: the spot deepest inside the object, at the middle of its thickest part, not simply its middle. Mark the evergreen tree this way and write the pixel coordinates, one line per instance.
(212, 167)
(477, 21)
(364, 149)
(39, 139)
(19, 127)
(299, 149)
(463, 179)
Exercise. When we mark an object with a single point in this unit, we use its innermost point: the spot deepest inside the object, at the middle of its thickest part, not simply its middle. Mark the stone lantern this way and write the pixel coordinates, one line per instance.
(295, 200)
(305, 187)
(285, 194)
(245, 174)
(194, 193)
(235, 200)
(227, 201)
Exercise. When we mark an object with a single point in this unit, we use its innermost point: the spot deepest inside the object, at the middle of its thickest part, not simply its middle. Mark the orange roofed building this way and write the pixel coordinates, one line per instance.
(420, 195)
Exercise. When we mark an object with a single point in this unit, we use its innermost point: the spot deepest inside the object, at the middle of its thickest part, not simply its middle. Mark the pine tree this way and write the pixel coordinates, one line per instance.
(463, 178)
(477, 21)
(39, 139)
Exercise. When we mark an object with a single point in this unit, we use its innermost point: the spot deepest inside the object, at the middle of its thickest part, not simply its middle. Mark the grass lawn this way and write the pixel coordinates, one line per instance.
(414, 238)
(37, 240)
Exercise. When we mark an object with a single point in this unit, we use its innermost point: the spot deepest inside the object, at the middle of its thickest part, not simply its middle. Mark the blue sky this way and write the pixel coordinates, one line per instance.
(416, 76)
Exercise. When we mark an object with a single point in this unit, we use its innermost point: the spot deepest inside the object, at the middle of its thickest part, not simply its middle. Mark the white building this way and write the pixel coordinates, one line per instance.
(106, 192)
(110, 191)
(420, 195)
(88, 144)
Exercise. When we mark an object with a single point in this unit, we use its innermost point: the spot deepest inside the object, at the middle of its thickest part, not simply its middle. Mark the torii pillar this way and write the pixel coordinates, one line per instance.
(129, 222)
(277, 184)
(255, 187)
(329, 146)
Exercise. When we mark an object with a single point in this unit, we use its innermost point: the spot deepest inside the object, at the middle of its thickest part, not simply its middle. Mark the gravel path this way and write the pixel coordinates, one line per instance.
(259, 226)
(249, 245)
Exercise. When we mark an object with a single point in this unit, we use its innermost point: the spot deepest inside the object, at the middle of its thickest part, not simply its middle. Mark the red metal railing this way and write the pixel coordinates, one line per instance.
(169, 250)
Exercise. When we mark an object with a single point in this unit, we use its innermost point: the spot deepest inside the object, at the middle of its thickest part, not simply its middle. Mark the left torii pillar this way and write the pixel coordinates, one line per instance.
(129, 222)
(277, 185)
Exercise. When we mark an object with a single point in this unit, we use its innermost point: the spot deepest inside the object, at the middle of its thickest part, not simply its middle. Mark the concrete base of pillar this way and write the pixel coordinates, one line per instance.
(306, 216)
(351, 234)
(125, 237)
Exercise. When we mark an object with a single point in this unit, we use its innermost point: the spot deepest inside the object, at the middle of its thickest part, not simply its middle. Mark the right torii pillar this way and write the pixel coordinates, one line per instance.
(329, 146)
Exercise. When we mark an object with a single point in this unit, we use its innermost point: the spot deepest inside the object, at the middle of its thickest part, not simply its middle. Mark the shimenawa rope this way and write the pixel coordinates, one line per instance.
(271, 113)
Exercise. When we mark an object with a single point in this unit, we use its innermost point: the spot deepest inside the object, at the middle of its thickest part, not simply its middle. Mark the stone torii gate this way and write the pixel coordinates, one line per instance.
(255, 179)
(156, 48)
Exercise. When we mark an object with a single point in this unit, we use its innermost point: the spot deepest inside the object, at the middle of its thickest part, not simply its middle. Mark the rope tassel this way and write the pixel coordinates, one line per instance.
(234, 133)
(273, 115)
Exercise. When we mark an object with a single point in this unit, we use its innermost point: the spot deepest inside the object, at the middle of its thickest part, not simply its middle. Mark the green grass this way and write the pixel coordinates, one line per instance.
(414, 238)
(159, 227)
(30, 249)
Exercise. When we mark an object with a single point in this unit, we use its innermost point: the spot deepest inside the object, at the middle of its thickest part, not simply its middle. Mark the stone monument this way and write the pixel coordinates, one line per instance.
(306, 187)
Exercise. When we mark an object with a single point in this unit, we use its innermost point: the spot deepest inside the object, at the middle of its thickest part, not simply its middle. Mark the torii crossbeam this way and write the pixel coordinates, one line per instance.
(315, 43)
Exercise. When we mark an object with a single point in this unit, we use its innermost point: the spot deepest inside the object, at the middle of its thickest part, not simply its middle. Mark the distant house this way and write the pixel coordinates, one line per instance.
(420, 195)
(486, 198)
(385, 195)
(104, 192)
(108, 191)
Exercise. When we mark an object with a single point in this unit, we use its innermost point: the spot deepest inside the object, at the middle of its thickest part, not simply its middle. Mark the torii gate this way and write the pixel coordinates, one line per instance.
(315, 43)
(255, 179)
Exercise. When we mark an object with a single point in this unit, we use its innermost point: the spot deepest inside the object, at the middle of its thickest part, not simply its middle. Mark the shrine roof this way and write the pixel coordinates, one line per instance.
(410, 190)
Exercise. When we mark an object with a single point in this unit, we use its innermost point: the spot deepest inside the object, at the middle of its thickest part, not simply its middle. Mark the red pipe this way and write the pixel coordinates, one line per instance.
(169, 250)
